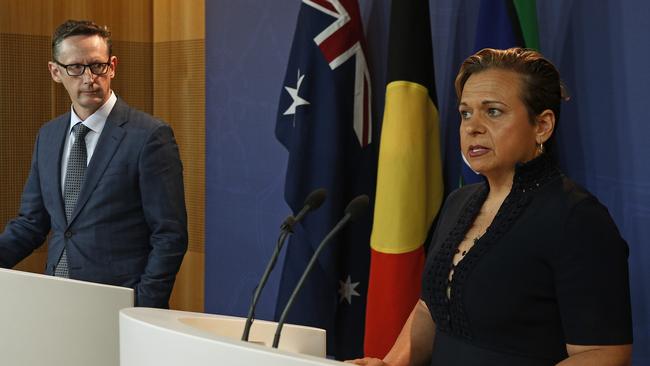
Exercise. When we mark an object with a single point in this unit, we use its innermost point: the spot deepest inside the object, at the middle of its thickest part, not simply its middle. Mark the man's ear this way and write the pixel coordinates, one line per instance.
(55, 71)
(113, 61)
(545, 125)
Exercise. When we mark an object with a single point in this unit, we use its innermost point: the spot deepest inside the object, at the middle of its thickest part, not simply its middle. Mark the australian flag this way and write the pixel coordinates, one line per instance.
(324, 120)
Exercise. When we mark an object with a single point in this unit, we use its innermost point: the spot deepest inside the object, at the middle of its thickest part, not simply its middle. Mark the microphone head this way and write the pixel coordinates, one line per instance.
(316, 198)
(357, 206)
(288, 223)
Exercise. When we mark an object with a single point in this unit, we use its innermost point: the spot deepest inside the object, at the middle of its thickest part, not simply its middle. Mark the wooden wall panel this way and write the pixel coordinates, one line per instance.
(179, 99)
(178, 20)
(25, 103)
(129, 20)
(29, 17)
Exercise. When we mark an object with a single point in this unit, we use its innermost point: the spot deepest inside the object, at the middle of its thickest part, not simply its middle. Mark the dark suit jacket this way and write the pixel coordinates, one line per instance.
(129, 227)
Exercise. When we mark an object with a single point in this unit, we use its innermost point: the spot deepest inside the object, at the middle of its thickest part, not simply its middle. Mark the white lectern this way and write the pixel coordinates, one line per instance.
(155, 337)
(46, 320)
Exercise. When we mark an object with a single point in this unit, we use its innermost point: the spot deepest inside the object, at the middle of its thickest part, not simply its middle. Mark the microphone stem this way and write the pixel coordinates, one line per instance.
(301, 214)
(258, 289)
(334, 231)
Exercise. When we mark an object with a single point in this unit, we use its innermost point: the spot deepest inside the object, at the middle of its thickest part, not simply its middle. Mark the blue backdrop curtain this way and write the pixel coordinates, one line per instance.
(601, 52)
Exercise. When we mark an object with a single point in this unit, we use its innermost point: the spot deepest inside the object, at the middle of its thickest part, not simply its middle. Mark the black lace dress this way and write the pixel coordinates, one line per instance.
(550, 270)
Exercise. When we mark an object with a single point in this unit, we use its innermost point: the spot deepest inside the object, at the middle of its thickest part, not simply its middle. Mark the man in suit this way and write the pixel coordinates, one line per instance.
(106, 181)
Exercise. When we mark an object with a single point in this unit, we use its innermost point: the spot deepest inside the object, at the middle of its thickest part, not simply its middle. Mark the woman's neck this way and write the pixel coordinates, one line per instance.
(500, 184)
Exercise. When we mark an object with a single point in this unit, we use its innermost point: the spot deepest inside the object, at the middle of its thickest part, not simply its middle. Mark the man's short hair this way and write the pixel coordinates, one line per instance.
(79, 27)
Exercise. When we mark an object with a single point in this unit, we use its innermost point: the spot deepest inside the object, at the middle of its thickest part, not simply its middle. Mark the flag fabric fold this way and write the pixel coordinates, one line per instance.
(409, 178)
(324, 121)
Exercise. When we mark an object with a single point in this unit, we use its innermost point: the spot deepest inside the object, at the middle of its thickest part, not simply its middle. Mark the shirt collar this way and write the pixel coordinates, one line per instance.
(535, 173)
(96, 121)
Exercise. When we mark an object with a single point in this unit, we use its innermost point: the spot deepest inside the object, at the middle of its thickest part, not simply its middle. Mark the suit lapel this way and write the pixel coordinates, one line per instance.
(109, 140)
(53, 151)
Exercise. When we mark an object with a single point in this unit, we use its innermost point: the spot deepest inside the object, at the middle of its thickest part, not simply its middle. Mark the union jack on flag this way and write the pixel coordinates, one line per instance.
(324, 120)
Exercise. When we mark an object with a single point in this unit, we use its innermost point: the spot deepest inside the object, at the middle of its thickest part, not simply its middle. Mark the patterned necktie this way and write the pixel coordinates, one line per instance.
(74, 178)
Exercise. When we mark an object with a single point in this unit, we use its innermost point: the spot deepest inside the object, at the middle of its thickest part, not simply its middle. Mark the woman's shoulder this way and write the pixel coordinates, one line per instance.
(566, 195)
(465, 192)
(459, 202)
(576, 193)
(586, 217)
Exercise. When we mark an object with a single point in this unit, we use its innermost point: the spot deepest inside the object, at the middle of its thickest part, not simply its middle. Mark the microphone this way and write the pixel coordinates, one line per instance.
(312, 202)
(354, 210)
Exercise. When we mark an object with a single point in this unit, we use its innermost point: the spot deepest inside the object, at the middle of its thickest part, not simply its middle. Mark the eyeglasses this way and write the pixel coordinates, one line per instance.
(79, 69)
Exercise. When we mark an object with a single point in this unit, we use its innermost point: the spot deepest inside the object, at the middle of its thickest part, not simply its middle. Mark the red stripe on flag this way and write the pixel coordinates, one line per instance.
(395, 281)
(345, 37)
(325, 4)
(340, 41)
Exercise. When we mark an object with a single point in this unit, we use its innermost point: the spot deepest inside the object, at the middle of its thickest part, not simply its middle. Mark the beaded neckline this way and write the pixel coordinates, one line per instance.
(535, 173)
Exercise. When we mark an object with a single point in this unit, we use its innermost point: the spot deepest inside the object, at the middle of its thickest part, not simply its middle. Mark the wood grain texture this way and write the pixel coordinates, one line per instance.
(128, 20)
(178, 20)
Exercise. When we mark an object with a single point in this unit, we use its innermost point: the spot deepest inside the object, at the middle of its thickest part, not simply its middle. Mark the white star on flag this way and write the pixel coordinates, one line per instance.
(297, 100)
(347, 290)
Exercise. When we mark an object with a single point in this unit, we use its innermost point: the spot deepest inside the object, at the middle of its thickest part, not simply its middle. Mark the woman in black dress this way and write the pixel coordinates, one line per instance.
(527, 268)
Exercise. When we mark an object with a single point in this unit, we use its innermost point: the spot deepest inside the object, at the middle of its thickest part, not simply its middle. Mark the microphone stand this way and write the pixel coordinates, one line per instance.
(328, 238)
(313, 201)
(286, 229)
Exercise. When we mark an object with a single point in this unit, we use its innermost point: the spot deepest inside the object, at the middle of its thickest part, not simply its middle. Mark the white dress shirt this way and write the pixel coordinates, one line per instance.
(95, 122)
